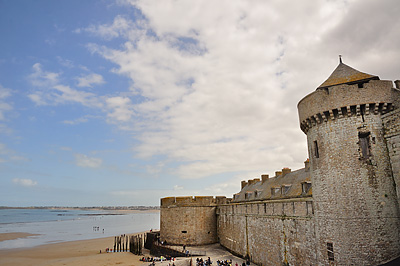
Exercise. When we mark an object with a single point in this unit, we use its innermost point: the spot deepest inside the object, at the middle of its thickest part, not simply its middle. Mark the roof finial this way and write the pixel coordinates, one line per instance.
(340, 58)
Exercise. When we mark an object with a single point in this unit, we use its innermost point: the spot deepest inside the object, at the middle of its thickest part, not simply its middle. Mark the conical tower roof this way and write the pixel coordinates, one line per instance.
(344, 74)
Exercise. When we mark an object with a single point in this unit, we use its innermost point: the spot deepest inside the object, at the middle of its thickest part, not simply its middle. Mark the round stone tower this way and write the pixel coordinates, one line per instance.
(357, 219)
(188, 220)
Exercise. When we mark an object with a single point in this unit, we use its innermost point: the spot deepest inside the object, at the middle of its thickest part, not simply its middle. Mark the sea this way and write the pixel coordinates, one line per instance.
(61, 225)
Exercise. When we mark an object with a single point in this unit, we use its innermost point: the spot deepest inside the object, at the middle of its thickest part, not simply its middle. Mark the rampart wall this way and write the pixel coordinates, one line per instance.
(391, 124)
(189, 220)
(270, 232)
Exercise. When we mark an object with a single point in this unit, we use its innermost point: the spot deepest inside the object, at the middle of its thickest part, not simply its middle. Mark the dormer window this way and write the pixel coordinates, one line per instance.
(248, 195)
(305, 187)
(257, 193)
(285, 189)
(275, 191)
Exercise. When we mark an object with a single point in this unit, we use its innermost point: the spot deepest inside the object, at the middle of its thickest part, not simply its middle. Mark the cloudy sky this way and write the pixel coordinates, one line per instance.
(124, 102)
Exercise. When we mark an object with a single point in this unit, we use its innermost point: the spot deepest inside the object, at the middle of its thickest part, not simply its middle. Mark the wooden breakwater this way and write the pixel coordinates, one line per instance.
(131, 243)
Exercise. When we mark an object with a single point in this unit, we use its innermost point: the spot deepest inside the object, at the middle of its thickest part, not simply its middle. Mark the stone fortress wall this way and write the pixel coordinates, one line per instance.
(270, 232)
(189, 220)
(353, 187)
(349, 216)
(391, 123)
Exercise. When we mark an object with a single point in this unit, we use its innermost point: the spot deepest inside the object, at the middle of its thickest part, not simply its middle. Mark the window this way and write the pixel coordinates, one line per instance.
(364, 144)
(248, 195)
(305, 187)
(329, 247)
(184, 232)
(285, 189)
(275, 191)
(310, 208)
(316, 151)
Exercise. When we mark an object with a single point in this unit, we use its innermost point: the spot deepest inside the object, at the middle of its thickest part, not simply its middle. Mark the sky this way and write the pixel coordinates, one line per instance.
(106, 103)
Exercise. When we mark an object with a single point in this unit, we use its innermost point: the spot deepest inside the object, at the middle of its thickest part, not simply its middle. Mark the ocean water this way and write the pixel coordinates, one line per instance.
(54, 226)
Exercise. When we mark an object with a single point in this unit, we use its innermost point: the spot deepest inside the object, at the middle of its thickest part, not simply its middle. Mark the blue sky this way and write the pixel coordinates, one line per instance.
(124, 102)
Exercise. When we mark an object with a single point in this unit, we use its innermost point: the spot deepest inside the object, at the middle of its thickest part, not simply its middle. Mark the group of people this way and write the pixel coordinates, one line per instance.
(201, 262)
(154, 259)
(225, 263)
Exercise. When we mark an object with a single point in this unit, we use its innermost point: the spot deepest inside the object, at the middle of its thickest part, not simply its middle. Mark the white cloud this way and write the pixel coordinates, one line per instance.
(215, 88)
(83, 160)
(119, 27)
(5, 105)
(37, 98)
(90, 80)
(48, 90)
(67, 94)
(41, 78)
(215, 84)
(24, 182)
(121, 109)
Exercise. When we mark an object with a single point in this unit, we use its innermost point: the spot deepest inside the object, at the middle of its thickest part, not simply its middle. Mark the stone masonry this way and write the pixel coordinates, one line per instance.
(342, 208)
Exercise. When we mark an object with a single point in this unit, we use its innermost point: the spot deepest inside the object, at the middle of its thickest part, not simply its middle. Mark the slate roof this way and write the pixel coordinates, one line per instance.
(343, 74)
(263, 190)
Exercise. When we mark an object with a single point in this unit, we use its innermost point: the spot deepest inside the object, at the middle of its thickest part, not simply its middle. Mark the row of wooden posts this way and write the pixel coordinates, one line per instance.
(133, 244)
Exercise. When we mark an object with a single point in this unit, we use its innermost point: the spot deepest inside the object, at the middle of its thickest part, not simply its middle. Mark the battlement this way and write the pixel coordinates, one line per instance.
(193, 201)
(376, 96)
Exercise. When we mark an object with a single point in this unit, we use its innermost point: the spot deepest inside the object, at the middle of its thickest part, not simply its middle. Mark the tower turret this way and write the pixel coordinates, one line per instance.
(357, 219)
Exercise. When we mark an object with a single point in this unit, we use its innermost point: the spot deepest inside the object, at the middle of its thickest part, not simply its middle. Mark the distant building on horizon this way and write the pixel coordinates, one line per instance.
(342, 208)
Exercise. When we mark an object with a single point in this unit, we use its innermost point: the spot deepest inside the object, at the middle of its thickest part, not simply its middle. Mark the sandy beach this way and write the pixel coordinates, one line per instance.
(87, 253)
(84, 252)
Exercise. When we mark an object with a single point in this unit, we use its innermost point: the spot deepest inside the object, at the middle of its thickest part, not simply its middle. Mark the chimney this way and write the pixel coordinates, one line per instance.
(244, 183)
(264, 178)
(251, 181)
(278, 173)
(397, 83)
(286, 171)
(256, 180)
(307, 165)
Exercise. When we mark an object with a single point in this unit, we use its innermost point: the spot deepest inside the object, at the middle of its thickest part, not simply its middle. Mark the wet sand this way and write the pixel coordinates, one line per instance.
(11, 236)
(83, 252)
